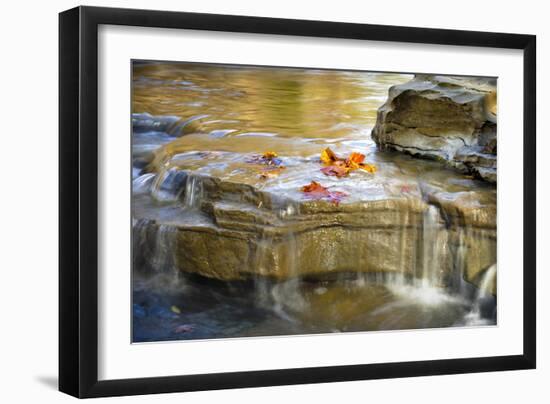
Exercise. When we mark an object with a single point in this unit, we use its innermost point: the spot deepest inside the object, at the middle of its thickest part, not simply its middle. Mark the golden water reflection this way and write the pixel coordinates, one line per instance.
(224, 101)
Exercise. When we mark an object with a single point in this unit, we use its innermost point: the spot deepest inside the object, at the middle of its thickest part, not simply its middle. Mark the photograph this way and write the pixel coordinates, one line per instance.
(276, 201)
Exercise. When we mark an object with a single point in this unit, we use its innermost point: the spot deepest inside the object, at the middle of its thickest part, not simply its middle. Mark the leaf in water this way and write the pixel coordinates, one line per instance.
(269, 155)
(316, 191)
(339, 167)
(313, 187)
(356, 158)
(175, 309)
(328, 156)
(336, 170)
(269, 158)
(184, 328)
(371, 168)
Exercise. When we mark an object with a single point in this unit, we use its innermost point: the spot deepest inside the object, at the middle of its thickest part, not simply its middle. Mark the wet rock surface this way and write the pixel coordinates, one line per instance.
(445, 118)
(227, 223)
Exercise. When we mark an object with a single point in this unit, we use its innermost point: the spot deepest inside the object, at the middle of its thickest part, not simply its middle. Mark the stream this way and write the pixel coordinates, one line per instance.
(201, 209)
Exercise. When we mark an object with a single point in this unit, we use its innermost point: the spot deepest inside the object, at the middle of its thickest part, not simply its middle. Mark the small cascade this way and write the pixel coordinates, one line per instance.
(284, 297)
(434, 248)
(407, 263)
(143, 183)
(484, 306)
(193, 192)
(428, 285)
(487, 281)
(168, 185)
(154, 246)
(165, 247)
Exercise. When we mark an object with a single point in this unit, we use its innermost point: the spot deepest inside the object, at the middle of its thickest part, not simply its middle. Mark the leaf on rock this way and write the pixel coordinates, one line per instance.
(356, 158)
(175, 309)
(371, 168)
(269, 158)
(316, 191)
(328, 156)
(336, 170)
(339, 167)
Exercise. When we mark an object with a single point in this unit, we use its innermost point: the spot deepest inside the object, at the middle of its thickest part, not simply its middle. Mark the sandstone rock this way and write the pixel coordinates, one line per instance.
(237, 231)
(450, 119)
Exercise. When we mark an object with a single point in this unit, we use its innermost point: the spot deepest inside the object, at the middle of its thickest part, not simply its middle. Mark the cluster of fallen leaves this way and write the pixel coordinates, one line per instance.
(316, 191)
(333, 166)
(341, 167)
(273, 165)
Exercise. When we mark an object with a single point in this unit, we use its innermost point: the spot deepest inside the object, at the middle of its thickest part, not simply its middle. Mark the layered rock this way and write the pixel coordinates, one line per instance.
(452, 119)
(230, 230)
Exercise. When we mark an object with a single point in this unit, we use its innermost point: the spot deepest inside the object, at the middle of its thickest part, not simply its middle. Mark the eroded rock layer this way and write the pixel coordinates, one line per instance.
(233, 227)
(445, 118)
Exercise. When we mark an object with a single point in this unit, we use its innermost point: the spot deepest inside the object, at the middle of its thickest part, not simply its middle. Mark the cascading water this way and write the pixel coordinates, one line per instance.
(383, 263)
(193, 192)
(285, 297)
(483, 310)
(435, 246)
(143, 183)
(168, 185)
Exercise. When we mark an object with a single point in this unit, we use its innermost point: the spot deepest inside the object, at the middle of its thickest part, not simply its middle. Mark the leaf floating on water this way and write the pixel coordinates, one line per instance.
(328, 156)
(339, 167)
(371, 168)
(184, 328)
(356, 158)
(269, 155)
(313, 187)
(175, 309)
(316, 191)
(336, 170)
(269, 158)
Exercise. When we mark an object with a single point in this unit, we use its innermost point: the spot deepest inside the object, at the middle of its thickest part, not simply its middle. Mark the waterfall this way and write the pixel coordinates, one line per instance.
(283, 297)
(193, 192)
(154, 245)
(143, 183)
(484, 307)
(487, 281)
(168, 185)
(434, 248)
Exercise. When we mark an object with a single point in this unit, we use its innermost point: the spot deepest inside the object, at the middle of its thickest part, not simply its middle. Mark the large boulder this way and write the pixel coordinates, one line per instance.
(452, 119)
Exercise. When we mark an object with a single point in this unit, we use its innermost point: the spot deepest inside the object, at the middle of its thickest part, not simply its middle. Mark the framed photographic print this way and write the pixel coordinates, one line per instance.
(251, 201)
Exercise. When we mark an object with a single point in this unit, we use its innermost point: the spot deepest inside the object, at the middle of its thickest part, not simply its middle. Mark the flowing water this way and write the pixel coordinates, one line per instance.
(193, 120)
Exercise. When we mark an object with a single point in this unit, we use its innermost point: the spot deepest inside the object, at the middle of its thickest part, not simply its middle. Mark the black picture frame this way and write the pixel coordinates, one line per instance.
(78, 201)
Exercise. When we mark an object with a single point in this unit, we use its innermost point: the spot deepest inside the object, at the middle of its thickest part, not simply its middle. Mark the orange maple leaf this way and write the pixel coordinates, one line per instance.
(316, 191)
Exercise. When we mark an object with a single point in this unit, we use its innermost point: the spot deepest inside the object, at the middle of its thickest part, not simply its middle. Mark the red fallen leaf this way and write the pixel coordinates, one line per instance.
(356, 158)
(336, 170)
(406, 189)
(184, 328)
(316, 191)
(339, 167)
